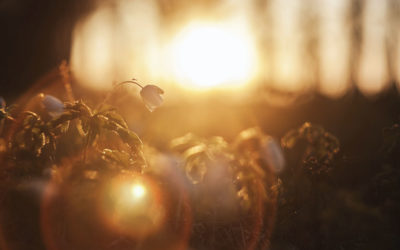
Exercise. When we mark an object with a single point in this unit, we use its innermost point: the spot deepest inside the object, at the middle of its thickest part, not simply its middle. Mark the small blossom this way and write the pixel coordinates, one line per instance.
(271, 153)
(53, 105)
(151, 96)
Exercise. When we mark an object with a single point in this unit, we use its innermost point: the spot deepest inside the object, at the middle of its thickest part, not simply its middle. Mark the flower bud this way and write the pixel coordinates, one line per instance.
(53, 105)
(151, 96)
(271, 153)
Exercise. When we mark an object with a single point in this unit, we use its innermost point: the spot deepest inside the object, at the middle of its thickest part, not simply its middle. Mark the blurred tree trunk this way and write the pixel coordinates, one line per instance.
(355, 20)
(310, 30)
(392, 40)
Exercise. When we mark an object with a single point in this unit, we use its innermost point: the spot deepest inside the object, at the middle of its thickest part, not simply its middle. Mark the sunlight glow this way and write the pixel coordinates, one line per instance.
(132, 205)
(138, 191)
(206, 56)
(373, 70)
(287, 45)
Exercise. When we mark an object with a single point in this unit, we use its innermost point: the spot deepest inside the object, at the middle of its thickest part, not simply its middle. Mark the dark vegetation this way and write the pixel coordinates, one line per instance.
(339, 188)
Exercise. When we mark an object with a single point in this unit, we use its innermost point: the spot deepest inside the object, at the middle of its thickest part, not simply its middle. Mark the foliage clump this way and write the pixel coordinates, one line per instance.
(246, 162)
(320, 149)
(248, 193)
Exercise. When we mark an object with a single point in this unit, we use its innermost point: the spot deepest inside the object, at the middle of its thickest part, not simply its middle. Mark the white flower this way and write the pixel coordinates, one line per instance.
(151, 96)
(272, 155)
(53, 105)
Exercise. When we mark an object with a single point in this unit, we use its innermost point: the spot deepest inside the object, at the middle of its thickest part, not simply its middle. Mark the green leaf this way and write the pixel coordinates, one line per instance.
(129, 137)
(82, 127)
(196, 163)
(64, 117)
(185, 142)
(117, 118)
(30, 119)
(117, 157)
(64, 127)
(81, 107)
(39, 141)
(195, 151)
(290, 139)
(196, 169)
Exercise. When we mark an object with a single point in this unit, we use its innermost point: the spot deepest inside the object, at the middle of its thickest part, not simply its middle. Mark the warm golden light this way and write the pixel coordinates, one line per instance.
(132, 205)
(206, 56)
(138, 191)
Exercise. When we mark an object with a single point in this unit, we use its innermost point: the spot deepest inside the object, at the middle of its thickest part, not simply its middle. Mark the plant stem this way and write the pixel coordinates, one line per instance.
(129, 81)
(116, 87)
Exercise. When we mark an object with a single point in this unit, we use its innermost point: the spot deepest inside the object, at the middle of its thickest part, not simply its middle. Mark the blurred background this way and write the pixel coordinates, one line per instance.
(272, 63)
(330, 46)
(229, 65)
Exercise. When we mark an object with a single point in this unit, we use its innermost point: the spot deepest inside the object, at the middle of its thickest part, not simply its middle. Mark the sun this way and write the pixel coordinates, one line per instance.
(207, 56)
(138, 191)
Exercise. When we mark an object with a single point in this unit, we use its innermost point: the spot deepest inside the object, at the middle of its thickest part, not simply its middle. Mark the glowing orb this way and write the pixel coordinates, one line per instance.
(138, 191)
(206, 56)
(132, 205)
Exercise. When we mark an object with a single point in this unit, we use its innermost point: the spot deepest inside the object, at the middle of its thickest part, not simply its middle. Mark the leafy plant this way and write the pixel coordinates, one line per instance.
(247, 162)
(33, 141)
(320, 146)
(5, 114)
